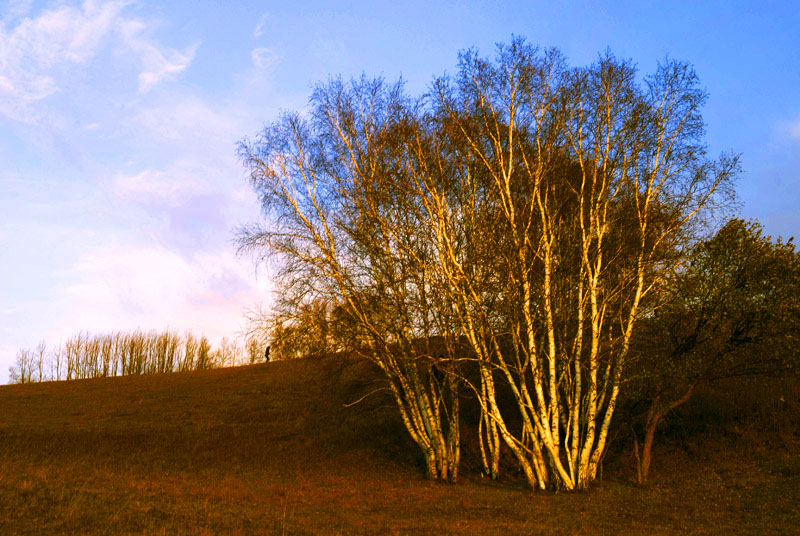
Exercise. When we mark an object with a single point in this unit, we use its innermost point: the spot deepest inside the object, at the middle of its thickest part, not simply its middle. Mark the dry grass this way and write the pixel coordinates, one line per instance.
(272, 449)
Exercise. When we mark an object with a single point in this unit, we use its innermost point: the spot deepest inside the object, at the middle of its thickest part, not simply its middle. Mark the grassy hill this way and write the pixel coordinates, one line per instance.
(279, 449)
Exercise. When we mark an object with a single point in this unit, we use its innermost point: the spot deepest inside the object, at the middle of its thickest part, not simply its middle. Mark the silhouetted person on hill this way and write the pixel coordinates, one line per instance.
(438, 373)
(266, 354)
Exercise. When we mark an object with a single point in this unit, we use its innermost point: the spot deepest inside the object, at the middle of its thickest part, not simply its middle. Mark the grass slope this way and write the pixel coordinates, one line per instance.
(277, 449)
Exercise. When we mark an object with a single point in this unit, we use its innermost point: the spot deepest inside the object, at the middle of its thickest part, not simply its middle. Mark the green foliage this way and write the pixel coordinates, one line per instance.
(733, 310)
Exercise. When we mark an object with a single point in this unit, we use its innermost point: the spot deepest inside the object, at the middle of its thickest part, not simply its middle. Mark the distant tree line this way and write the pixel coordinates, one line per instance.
(87, 355)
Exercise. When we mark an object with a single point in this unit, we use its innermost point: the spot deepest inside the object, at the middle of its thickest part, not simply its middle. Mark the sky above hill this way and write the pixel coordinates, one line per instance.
(119, 183)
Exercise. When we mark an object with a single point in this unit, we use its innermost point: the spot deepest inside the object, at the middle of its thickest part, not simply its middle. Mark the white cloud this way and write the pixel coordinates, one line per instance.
(169, 189)
(41, 55)
(794, 130)
(162, 163)
(150, 287)
(264, 58)
(258, 31)
(177, 209)
(37, 48)
(159, 63)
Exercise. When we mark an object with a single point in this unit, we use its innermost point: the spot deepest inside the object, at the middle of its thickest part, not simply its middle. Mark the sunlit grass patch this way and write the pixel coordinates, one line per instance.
(272, 450)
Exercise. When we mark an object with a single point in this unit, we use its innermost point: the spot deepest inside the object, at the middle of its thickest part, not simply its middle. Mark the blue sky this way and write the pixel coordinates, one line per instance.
(119, 184)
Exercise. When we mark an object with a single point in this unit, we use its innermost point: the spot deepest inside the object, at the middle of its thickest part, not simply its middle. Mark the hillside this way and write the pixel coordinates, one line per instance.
(278, 449)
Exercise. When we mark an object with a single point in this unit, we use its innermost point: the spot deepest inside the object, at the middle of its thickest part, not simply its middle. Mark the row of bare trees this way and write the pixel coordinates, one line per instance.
(502, 233)
(125, 353)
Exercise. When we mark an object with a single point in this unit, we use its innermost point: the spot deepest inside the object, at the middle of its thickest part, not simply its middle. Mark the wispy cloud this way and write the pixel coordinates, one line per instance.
(41, 55)
(16, 8)
(787, 130)
(188, 121)
(158, 67)
(150, 184)
(158, 63)
(794, 129)
(153, 287)
(258, 31)
(330, 51)
(264, 58)
(37, 50)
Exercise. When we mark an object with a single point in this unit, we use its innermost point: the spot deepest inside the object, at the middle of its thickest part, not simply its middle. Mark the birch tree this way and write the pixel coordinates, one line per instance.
(592, 181)
(339, 233)
(520, 212)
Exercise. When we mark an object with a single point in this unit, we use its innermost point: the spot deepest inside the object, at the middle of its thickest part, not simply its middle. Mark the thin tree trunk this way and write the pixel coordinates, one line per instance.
(654, 417)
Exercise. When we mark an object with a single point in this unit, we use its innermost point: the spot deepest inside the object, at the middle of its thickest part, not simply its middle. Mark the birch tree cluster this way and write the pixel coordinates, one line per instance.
(501, 233)
(85, 355)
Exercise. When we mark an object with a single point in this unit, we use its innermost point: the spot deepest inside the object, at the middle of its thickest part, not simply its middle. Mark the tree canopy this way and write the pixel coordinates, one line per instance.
(500, 232)
(731, 311)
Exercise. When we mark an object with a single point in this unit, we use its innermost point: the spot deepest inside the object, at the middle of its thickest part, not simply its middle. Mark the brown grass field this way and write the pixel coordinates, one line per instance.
(274, 449)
